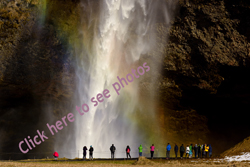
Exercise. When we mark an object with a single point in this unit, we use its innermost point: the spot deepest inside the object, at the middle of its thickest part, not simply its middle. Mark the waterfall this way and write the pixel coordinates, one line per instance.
(115, 34)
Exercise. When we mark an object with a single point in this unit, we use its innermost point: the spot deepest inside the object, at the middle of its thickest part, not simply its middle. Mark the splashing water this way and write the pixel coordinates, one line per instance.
(114, 38)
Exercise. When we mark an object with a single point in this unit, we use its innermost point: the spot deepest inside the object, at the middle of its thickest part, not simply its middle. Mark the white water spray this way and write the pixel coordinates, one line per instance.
(113, 44)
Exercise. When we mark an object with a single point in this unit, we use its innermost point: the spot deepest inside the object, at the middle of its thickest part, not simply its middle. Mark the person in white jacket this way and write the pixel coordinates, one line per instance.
(187, 151)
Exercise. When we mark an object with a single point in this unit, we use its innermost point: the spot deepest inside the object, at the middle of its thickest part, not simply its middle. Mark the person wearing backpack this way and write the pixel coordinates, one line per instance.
(140, 150)
(112, 149)
(152, 149)
(128, 151)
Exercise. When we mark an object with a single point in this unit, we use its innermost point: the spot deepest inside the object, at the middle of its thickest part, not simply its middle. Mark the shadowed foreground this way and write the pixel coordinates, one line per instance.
(141, 162)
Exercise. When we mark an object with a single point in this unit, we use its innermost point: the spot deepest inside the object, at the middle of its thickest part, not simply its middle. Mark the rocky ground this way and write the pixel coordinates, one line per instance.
(141, 162)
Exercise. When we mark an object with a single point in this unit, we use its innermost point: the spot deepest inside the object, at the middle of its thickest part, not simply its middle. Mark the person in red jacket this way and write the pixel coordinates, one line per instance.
(56, 155)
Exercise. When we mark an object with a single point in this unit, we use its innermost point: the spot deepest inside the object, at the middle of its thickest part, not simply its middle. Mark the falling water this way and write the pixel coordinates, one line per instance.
(115, 35)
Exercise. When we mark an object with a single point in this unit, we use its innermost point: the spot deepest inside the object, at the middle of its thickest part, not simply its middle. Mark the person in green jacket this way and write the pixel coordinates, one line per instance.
(191, 151)
(140, 151)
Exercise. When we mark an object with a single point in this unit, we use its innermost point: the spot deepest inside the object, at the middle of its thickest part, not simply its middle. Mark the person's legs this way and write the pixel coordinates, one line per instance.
(175, 154)
(168, 154)
(129, 155)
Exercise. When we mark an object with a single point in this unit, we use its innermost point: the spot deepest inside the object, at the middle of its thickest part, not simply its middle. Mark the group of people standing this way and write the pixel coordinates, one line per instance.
(199, 151)
(91, 150)
(112, 150)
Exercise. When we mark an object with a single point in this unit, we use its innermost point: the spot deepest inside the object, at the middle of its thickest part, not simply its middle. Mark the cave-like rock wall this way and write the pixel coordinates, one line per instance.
(203, 89)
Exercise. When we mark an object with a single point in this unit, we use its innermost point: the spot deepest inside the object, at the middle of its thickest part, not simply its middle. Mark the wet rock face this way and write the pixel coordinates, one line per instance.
(36, 75)
(207, 64)
(203, 89)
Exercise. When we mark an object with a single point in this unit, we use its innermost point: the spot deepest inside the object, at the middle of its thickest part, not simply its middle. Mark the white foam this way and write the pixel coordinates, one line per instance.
(242, 157)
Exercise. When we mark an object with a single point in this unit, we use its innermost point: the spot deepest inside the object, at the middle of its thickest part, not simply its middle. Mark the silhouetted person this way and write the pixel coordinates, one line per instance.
(203, 151)
(91, 150)
(199, 150)
(84, 152)
(152, 149)
(56, 155)
(175, 150)
(128, 151)
(140, 150)
(182, 150)
(195, 150)
(168, 151)
(112, 150)
(210, 150)
(187, 151)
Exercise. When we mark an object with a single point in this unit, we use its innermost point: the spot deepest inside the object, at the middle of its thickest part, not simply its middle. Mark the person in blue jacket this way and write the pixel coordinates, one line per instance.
(168, 151)
(210, 150)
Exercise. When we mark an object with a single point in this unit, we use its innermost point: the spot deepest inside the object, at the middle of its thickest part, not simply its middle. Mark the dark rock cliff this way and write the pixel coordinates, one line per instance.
(203, 89)
(207, 64)
(33, 91)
